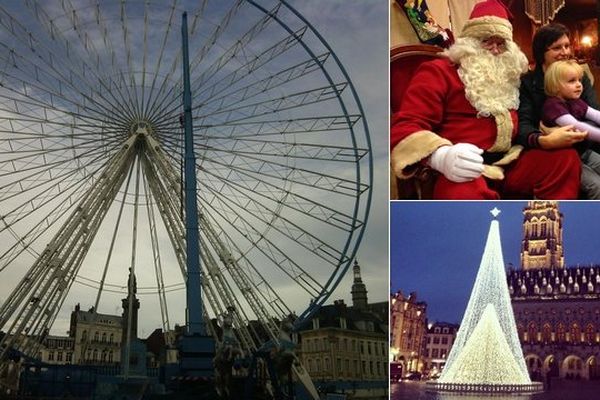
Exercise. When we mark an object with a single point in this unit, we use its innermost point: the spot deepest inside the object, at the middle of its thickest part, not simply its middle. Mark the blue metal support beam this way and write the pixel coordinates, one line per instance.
(196, 349)
(194, 320)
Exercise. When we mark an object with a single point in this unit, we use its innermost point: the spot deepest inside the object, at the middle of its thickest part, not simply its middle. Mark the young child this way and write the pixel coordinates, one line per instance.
(562, 84)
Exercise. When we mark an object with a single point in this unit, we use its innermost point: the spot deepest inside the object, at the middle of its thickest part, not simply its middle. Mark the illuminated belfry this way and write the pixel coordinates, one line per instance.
(542, 245)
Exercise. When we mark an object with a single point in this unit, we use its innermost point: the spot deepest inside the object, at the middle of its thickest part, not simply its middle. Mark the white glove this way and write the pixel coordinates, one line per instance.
(460, 162)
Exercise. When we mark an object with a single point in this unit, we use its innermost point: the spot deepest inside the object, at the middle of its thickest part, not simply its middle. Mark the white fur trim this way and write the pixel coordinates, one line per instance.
(485, 27)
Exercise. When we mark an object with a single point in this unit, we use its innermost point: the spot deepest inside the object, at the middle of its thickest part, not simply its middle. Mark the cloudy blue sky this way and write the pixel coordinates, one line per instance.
(357, 31)
(436, 247)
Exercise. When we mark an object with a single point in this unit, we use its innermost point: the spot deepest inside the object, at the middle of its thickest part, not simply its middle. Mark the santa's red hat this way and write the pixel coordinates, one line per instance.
(488, 18)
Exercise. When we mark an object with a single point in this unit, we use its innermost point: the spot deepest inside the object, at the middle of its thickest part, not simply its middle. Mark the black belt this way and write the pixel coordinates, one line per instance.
(490, 158)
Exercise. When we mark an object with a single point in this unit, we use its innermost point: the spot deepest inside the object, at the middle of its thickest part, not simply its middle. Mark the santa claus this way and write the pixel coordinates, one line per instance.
(459, 117)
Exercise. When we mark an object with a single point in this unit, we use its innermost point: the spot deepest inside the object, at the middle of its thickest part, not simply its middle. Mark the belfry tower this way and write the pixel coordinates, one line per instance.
(542, 245)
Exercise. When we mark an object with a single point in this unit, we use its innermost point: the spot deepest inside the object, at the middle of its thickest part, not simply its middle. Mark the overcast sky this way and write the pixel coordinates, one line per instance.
(357, 31)
(436, 247)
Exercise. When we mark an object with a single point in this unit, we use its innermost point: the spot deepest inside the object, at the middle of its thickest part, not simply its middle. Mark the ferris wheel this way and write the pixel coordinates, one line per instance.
(91, 154)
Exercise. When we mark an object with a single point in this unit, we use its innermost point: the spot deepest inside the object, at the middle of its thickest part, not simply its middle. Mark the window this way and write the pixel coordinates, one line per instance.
(436, 340)
(69, 357)
(51, 356)
(59, 356)
(338, 363)
(111, 337)
(103, 337)
(96, 336)
(445, 340)
(434, 353)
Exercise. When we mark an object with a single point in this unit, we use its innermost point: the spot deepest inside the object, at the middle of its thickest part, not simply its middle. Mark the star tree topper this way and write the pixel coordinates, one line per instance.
(495, 212)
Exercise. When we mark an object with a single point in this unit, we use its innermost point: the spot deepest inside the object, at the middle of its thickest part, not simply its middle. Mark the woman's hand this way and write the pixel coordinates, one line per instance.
(559, 137)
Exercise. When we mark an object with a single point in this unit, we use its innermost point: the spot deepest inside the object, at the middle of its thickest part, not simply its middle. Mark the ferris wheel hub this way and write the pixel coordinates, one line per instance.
(141, 127)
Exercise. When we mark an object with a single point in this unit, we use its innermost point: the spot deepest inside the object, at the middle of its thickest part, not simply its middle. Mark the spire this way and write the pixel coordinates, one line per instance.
(489, 316)
(359, 290)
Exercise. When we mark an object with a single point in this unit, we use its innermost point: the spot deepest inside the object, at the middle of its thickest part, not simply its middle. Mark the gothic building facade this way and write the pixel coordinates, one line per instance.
(408, 329)
(557, 308)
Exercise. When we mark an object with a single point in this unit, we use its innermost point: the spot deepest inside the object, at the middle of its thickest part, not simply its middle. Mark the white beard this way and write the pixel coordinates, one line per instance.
(491, 81)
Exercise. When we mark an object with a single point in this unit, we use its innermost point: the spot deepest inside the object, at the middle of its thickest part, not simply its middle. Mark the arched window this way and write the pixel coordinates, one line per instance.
(561, 333)
(112, 337)
(95, 355)
(547, 333)
(590, 333)
(97, 336)
(575, 333)
(532, 332)
(103, 337)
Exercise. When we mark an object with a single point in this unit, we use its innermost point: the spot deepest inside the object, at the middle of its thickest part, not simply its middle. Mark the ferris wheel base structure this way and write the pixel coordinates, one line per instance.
(196, 353)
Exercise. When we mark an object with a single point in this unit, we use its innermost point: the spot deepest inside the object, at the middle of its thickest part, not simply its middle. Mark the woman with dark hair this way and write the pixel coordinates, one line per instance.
(551, 43)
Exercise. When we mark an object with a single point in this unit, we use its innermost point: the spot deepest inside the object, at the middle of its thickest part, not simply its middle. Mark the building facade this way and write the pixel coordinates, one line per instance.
(57, 350)
(348, 344)
(97, 337)
(556, 308)
(408, 328)
(439, 341)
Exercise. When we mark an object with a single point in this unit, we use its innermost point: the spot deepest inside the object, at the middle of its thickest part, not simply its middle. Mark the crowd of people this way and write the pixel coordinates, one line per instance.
(491, 127)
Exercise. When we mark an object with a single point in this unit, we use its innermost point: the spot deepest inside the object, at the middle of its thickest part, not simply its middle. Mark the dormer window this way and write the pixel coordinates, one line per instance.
(343, 324)
(315, 322)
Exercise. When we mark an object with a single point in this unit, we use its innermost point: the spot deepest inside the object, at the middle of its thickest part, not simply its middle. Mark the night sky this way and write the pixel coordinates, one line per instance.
(436, 247)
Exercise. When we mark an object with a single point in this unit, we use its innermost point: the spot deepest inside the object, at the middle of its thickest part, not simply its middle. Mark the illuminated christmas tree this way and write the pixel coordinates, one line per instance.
(487, 354)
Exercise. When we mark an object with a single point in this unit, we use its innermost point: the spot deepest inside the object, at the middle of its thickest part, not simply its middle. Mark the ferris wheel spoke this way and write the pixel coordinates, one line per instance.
(260, 88)
(68, 76)
(53, 187)
(159, 60)
(207, 95)
(247, 225)
(296, 202)
(87, 43)
(247, 277)
(156, 258)
(266, 107)
(232, 52)
(278, 127)
(25, 91)
(284, 150)
(261, 169)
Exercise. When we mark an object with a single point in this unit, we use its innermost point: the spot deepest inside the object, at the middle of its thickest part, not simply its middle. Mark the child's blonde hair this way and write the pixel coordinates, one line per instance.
(555, 75)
